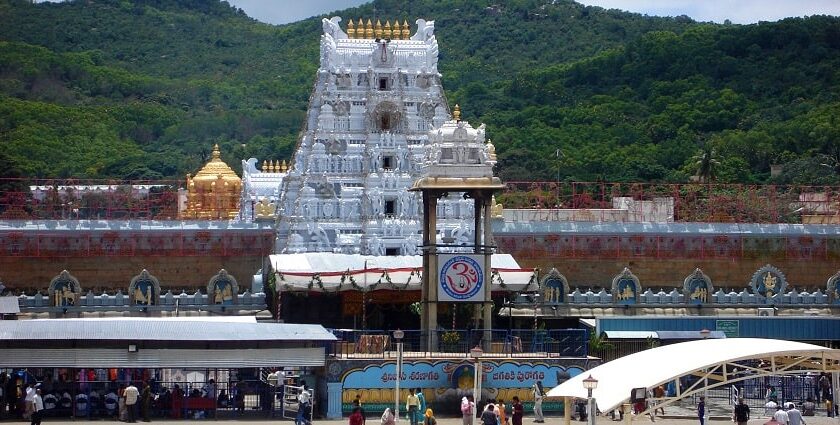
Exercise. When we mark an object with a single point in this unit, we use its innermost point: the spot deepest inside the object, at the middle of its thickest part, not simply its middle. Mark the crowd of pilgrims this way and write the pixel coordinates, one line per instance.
(100, 393)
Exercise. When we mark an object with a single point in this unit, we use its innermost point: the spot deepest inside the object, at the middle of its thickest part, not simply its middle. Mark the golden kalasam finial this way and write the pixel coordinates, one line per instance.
(377, 30)
(386, 33)
(265, 166)
(284, 167)
(456, 114)
(491, 150)
(351, 30)
(406, 30)
(369, 29)
(360, 29)
(216, 153)
(276, 167)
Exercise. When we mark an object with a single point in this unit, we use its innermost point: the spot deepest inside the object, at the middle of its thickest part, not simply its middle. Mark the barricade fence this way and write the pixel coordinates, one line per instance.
(54, 199)
(168, 399)
(458, 343)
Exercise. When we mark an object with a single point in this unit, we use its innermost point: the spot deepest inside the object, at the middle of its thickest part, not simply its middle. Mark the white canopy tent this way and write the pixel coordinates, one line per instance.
(711, 359)
(330, 272)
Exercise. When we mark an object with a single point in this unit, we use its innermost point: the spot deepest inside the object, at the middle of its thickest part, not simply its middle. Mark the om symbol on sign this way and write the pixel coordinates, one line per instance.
(461, 277)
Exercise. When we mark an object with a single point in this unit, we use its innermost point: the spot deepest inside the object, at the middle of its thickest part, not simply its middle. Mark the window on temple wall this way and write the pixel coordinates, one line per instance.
(392, 251)
(388, 162)
(390, 207)
(383, 83)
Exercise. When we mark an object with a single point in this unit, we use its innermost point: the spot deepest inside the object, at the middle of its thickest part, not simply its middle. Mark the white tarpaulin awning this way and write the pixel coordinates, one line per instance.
(297, 272)
(650, 368)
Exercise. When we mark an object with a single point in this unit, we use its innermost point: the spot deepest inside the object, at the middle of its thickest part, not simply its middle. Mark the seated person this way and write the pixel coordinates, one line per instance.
(111, 403)
(809, 408)
(223, 399)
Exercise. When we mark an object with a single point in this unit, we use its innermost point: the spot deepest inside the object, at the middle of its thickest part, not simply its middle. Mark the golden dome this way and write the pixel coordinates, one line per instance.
(214, 192)
(215, 168)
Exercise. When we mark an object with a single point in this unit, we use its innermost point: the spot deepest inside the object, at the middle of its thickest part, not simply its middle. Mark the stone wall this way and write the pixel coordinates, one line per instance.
(106, 261)
(112, 273)
(656, 272)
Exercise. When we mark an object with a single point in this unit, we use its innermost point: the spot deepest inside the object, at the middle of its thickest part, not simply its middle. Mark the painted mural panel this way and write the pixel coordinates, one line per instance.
(443, 383)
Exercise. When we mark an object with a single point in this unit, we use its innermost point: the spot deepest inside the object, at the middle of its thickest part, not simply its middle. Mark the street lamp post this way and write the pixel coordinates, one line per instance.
(398, 336)
(590, 384)
(476, 354)
(705, 334)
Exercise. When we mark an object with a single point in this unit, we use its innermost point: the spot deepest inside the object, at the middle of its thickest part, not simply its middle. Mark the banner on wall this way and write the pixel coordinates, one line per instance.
(448, 374)
(460, 278)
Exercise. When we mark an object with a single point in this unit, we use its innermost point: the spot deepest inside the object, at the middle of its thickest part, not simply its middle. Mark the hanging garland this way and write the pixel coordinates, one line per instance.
(386, 277)
(272, 281)
(316, 280)
(535, 279)
(286, 286)
(414, 272)
(496, 277)
(347, 276)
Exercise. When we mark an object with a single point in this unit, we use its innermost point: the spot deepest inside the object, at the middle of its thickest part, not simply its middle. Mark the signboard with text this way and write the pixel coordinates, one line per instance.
(728, 327)
(460, 278)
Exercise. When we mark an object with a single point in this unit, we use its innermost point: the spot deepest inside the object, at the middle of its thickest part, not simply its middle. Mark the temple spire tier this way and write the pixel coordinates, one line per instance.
(376, 97)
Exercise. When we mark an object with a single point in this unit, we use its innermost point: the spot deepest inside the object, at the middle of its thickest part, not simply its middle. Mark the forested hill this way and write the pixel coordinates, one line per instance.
(141, 89)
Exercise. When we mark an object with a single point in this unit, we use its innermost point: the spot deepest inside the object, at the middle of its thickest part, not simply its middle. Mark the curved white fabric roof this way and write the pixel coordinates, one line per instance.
(655, 366)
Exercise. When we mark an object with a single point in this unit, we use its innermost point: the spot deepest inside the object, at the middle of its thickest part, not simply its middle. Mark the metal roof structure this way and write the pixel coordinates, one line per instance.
(188, 329)
(9, 305)
(795, 328)
(194, 342)
(714, 360)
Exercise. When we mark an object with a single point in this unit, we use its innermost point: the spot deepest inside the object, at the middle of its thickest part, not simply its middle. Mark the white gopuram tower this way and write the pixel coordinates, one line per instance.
(377, 96)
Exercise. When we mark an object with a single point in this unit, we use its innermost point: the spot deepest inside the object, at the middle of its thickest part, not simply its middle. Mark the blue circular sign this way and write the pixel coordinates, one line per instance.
(461, 277)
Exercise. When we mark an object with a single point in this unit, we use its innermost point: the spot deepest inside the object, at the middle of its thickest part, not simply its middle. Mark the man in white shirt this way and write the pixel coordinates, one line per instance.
(304, 403)
(131, 396)
(795, 416)
(28, 408)
(37, 407)
(781, 416)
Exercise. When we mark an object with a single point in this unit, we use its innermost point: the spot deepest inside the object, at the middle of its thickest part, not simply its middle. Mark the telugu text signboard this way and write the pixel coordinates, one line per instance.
(460, 278)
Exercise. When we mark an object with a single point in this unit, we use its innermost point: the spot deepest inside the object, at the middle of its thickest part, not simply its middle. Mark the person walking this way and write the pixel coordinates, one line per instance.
(145, 401)
(741, 413)
(795, 416)
(421, 404)
(538, 400)
(518, 411)
(355, 417)
(781, 416)
(467, 410)
(488, 416)
(304, 402)
(502, 413)
(29, 394)
(357, 402)
(412, 404)
(701, 410)
(37, 407)
(131, 396)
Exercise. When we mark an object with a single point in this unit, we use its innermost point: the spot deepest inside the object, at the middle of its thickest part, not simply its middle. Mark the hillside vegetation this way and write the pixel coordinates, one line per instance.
(141, 89)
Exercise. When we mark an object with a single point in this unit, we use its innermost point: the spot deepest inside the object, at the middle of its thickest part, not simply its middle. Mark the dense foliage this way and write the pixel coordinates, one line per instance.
(141, 89)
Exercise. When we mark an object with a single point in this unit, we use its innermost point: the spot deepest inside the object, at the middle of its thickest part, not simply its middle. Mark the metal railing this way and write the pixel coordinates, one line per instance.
(458, 342)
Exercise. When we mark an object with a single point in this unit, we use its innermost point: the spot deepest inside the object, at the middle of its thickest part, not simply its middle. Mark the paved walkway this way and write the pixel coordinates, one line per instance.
(814, 420)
